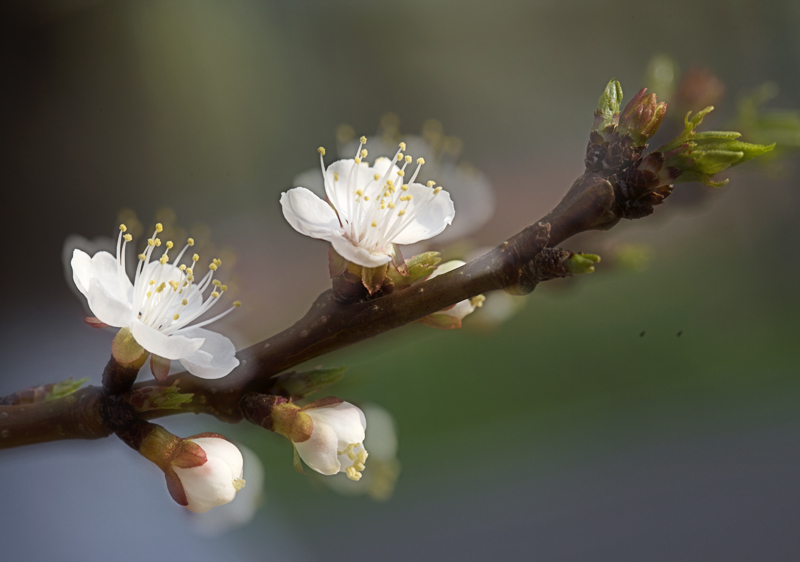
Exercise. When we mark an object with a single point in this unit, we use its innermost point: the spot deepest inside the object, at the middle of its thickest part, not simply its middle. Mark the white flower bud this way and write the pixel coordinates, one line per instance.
(216, 481)
(337, 440)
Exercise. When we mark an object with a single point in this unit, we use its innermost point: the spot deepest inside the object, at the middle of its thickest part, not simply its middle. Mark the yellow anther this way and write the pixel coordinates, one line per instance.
(391, 205)
(402, 146)
(437, 190)
(401, 173)
(217, 261)
(159, 227)
(161, 287)
(408, 197)
(358, 160)
(169, 245)
(420, 161)
(217, 282)
(359, 466)
(127, 237)
(152, 282)
(477, 301)
(158, 241)
(184, 302)
(389, 183)
(431, 183)
(366, 198)
(178, 316)
(404, 187)
(352, 456)
(364, 153)
(363, 140)
(237, 304)
(223, 288)
(190, 241)
(151, 242)
(374, 223)
(408, 159)
(401, 212)
(399, 157)
(359, 192)
(214, 294)
(142, 257)
(123, 228)
(149, 294)
(321, 150)
(376, 177)
(362, 456)
(335, 176)
(189, 271)
(188, 279)
(195, 258)
(163, 259)
(182, 267)
(174, 285)
(212, 266)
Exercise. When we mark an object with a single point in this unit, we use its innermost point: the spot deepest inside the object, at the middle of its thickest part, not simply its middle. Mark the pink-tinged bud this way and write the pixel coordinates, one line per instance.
(642, 117)
(202, 471)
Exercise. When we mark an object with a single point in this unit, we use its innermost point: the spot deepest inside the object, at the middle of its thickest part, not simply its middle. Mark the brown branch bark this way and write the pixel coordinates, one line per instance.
(517, 265)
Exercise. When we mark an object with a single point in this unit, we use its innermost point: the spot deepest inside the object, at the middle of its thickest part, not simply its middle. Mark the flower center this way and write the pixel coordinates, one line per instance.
(165, 296)
(353, 460)
(376, 213)
(238, 484)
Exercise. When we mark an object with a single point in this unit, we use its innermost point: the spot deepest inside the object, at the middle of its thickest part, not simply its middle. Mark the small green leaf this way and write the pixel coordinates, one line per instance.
(419, 268)
(579, 264)
(158, 398)
(608, 106)
(61, 389)
(125, 348)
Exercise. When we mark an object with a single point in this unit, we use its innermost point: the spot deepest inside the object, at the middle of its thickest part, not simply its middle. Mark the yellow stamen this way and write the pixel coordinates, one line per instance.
(374, 223)
(163, 259)
(401, 213)
(376, 177)
(420, 161)
(142, 257)
(401, 173)
(431, 183)
(212, 266)
(364, 153)
(151, 242)
(437, 190)
(363, 140)
(237, 304)
(223, 288)
(404, 187)
(217, 282)
(182, 267)
(358, 160)
(190, 241)
(169, 245)
(214, 294)
(408, 159)
(195, 258)
(127, 237)
(321, 150)
(335, 176)
(158, 241)
(402, 146)
(159, 227)
(184, 302)
(176, 316)
(123, 228)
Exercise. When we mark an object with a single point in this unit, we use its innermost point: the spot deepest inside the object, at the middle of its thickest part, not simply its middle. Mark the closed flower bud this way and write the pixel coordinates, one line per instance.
(642, 117)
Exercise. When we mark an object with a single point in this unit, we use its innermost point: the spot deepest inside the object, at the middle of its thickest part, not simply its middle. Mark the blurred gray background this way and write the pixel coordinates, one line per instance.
(561, 434)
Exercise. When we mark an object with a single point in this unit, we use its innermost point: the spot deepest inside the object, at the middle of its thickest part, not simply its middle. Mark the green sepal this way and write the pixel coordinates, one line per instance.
(125, 348)
(608, 105)
(419, 267)
(579, 264)
(302, 384)
(296, 462)
(65, 388)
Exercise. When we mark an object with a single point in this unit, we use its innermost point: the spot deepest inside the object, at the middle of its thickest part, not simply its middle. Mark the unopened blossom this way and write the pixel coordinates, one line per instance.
(451, 317)
(240, 512)
(384, 468)
(370, 207)
(215, 481)
(336, 442)
(161, 306)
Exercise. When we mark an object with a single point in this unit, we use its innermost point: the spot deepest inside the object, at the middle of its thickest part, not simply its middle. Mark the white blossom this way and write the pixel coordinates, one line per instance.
(159, 305)
(369, 208)
(216, 481)
(337, 440)
(462, 308)
(240, 512)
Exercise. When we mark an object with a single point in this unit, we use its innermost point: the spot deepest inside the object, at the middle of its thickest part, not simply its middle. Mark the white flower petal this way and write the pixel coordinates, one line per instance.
(308, 214)
(357, 254)
(346, 420)
(106, 307)
(215, 358)
(342, 190)
(381, 440)
(81, 271)
(460, 310)
(212, 483)
(319, 450)
(170, 347)
(107, 271)
(432, 218)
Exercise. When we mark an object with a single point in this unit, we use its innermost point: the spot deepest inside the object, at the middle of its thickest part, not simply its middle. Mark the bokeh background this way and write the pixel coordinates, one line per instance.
(643, 413)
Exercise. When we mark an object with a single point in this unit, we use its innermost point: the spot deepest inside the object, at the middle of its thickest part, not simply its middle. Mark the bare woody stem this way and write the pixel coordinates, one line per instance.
(517, 265)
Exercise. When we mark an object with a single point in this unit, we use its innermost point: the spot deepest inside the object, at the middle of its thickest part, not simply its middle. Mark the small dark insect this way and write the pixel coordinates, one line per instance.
(642, 334)
(680, 332)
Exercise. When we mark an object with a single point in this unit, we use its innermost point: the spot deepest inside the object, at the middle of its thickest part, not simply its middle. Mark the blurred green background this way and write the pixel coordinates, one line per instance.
(584, 427)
